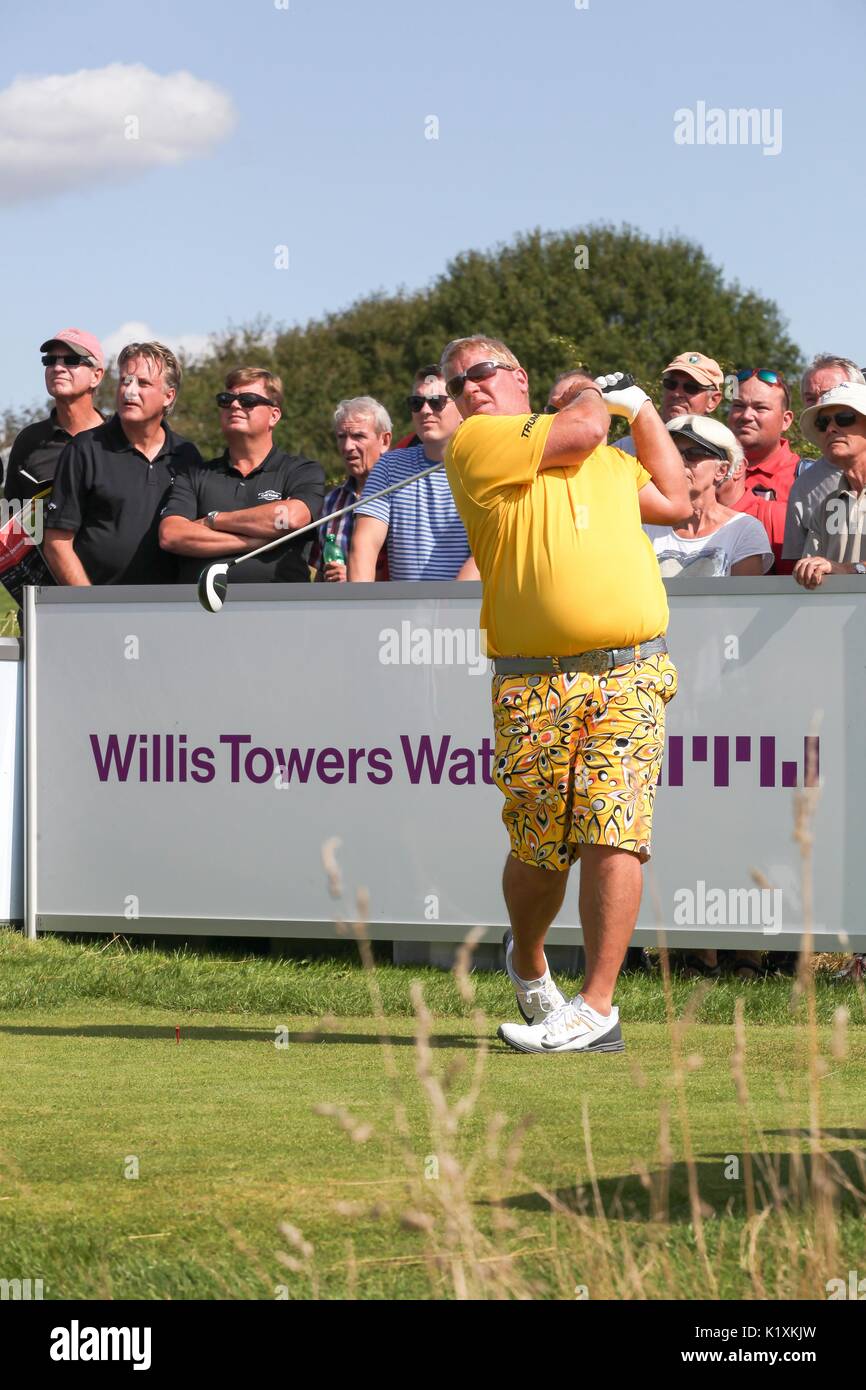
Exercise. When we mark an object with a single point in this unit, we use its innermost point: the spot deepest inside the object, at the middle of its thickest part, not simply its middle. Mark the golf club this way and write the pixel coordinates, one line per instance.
(213, 580)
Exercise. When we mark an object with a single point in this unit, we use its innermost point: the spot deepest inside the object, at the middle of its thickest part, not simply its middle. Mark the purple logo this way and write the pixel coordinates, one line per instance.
(677, 745)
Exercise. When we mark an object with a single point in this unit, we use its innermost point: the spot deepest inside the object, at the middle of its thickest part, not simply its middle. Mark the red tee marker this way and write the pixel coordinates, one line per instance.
(177, 1035)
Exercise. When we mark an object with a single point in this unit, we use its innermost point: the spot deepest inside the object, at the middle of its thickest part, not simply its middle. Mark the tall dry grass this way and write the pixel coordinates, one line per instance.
(783, 1245)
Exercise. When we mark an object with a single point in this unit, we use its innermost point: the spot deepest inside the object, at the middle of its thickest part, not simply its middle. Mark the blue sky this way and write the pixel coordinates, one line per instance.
(305, 127)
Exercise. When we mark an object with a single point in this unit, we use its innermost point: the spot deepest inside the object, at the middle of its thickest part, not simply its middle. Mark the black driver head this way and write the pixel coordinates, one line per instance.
(212, 587)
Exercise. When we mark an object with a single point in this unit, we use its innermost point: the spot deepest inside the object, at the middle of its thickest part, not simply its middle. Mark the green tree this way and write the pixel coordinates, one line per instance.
(638, 302)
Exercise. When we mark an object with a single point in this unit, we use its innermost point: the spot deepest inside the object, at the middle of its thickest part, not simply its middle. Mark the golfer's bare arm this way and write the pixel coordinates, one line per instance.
(61, 559)
(576, 430)
(179, 536)
(665, 500)
(368, 537)
(265, 522)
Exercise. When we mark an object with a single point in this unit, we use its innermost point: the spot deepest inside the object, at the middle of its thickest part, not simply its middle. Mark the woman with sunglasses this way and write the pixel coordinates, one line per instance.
(716, 540)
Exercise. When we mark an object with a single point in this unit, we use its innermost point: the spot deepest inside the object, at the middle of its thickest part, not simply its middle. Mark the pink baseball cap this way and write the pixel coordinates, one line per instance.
(84, 343)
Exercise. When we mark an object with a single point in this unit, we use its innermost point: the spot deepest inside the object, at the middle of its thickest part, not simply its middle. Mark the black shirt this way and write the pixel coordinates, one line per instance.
(111, 495)
(36, 451)
(217, 486)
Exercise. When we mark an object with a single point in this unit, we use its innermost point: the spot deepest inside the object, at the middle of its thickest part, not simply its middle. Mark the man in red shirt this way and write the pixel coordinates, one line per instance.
(760, 413)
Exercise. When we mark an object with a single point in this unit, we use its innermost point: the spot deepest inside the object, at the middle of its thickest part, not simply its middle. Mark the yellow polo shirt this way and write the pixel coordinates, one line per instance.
(564, 562)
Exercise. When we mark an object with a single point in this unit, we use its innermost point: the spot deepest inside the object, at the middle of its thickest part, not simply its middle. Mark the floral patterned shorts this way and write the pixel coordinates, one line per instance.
(578, 758)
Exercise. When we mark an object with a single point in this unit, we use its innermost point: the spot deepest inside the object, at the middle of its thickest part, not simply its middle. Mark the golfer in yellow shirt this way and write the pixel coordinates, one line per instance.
(575, 614)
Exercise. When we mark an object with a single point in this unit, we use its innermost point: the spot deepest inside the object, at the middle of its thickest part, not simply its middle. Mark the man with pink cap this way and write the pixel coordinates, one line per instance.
(74, 367)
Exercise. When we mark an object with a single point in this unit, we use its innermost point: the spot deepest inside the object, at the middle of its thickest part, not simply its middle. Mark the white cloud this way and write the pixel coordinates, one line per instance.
(191, 347)
(102, 126)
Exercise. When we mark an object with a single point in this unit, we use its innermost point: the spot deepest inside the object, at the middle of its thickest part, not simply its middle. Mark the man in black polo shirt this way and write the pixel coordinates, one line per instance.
(74, 367)
(111, 483)
(250, 495)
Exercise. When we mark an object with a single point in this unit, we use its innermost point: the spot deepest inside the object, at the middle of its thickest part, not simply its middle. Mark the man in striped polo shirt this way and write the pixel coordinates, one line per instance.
(420, 524)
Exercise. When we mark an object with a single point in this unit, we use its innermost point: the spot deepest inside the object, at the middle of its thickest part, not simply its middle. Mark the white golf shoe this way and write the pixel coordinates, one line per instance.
(542, 999)
(571, 1028)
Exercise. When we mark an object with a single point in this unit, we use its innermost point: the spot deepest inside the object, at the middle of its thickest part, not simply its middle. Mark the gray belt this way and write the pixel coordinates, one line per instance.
(589, 663)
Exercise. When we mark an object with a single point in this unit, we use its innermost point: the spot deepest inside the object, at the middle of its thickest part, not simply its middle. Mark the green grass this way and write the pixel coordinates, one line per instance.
(56, 973)
(229, 1142)
(8, 615)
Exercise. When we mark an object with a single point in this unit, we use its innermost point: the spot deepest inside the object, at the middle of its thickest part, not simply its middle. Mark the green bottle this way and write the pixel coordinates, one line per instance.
(332, 554)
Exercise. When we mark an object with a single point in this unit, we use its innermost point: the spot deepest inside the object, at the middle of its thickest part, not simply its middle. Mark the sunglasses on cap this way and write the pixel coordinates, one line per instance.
(843, 420)
(436, 403)
(689, 388)
(65, 359)
(480, 372)
(247, 400)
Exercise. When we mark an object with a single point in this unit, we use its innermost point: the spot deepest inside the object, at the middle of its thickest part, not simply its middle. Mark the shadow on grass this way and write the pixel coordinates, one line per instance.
(828, 1133)
(782, 1177)
(192, 1033)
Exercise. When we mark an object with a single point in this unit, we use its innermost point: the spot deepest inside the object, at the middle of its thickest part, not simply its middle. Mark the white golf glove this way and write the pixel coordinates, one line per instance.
(621, 395)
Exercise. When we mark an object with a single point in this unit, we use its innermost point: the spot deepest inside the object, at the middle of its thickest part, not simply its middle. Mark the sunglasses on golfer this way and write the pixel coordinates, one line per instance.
(65, 359)
(689, 388)
(436, 403)
(843, 420)
(247, 400)
(480, 372)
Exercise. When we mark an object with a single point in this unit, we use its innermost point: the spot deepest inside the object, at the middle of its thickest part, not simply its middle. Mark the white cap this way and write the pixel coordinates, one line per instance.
(848, 393)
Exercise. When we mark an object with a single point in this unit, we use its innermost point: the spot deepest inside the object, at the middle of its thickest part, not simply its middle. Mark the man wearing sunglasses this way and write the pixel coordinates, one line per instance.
(74, 367)
(759, 415)
(817, 478)
(103, 517)
(251, 494)
(691, 385)
(574, 612)
(420, 524)
(836, 543)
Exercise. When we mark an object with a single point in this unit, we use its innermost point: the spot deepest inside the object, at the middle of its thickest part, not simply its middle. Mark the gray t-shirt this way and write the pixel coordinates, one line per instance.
(712, 556)
(807, 493)
(838, 527)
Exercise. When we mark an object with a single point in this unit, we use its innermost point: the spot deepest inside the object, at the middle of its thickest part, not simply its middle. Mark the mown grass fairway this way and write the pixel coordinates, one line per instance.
(229, 1144)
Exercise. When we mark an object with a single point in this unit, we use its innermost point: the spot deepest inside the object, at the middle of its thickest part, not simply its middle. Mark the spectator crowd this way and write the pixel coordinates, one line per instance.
(126, 500)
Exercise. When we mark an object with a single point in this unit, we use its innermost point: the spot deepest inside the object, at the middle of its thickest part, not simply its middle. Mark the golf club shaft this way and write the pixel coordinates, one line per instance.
(332, 516)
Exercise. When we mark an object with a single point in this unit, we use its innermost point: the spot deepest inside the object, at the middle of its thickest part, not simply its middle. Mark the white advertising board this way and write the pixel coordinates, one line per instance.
(185, 769)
